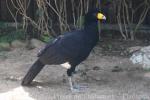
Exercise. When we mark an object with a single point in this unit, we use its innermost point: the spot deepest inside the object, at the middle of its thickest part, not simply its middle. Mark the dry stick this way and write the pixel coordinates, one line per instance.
(46, 19)
(48, 25)
(22, 10)
(57, 13)
(127, 18)
(81, 14)
(13, 16)
(73, 12)
(65, 11)
(40, 19)
(137, 26)
(15, 8)
(125, 11)
(142, 17)
(87, 7)
(43, 23)
(59, 17)
(64, 6)
(20, 4)
(130, 21)
(78, 12)
(119, 21)
(137, 8)
(124, 18)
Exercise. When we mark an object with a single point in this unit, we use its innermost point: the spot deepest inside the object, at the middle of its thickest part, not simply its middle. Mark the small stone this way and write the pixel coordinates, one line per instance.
(96, 68)
(36, 43)
(17, 44)
(142, 57)
(93, 75)
(5, 46)
(133, 49)
(145, 49)
(117, 69)
(147, 75)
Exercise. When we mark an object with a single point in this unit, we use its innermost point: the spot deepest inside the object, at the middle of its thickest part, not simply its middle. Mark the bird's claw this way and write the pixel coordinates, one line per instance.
(74, 90)
(79, 88)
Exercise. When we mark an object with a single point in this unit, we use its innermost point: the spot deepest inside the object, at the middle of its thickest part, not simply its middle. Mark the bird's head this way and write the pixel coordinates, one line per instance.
(94, 16)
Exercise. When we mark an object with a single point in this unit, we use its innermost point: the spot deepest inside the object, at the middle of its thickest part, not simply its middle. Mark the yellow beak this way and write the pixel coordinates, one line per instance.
(100, 16)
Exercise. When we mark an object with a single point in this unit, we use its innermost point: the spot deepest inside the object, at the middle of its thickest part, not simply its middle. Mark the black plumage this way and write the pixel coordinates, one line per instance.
(72, 47)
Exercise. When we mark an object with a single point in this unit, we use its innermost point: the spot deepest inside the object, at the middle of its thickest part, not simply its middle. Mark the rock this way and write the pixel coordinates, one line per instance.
(142, 57)
(133, 49)
(34, 43)
(5, 46)
(147, 75)
(17, 44)
(96, 68)
(146, 49)
(94, 75)
(117, 69)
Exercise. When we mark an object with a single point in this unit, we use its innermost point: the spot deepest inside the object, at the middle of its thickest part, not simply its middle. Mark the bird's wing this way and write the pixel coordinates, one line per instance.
(72, 44)
(50, 44)
(69, 45)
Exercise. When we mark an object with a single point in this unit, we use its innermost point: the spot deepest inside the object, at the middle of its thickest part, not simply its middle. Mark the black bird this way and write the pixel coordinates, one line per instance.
(71, 48)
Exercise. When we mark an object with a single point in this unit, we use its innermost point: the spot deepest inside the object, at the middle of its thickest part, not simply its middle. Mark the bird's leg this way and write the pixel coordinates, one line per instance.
(73, 87)
(70, 83)
(69, 73)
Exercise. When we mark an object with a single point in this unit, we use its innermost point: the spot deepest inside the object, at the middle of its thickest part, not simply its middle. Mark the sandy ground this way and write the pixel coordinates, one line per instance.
(107, 78)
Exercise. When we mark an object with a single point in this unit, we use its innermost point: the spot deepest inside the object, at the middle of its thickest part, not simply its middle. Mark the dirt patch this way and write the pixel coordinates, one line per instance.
(108, 74)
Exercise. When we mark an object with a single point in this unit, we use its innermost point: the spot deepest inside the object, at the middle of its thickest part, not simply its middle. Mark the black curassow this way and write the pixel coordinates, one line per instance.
(71, 48)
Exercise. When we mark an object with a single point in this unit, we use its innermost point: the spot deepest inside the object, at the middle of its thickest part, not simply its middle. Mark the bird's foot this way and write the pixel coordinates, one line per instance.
(75, 87)
(79, 88)
(74, 90)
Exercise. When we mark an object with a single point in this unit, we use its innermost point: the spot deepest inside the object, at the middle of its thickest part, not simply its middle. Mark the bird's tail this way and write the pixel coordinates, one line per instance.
(33, 71)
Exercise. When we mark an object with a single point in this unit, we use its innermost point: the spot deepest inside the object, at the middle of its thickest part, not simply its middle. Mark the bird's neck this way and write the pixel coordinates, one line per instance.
(91, 33)
(91, 29)
(91, 26)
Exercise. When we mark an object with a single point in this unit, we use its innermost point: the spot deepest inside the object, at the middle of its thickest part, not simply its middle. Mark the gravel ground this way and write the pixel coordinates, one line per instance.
(107, 77)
